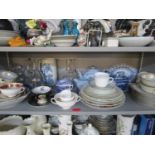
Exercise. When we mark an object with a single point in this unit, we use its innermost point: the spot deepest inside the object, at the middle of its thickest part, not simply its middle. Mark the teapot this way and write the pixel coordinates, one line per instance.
(84, 78)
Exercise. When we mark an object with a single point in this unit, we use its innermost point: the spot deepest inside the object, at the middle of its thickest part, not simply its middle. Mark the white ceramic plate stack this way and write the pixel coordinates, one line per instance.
(106, 125)
(63, 40)
(102, 97)
(8, 102)
(144, 89)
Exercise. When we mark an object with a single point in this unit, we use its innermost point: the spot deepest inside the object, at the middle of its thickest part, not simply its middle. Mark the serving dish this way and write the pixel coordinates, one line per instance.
(63, 40)
(135, 41)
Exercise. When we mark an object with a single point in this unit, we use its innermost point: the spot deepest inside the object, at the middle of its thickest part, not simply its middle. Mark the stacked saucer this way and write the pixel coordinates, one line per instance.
(12, 94)
(102, 97)
(106, 125)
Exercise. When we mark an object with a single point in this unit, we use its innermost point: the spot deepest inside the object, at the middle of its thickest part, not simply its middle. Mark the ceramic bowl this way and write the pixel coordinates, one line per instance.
(5, 36)
(11, 89)
(63, 41)
(8, 76)
(148, 79)
(12, 125)
(65, 105)
(135, 41)
(147, 89)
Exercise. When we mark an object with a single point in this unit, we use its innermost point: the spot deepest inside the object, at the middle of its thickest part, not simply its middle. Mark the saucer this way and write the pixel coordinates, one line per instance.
(41, 90)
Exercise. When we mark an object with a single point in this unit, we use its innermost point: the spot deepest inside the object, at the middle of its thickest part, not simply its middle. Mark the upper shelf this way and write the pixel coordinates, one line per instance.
(77, 49)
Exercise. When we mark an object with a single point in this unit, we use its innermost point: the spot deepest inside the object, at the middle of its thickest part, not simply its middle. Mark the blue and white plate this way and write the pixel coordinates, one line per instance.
(123, 71)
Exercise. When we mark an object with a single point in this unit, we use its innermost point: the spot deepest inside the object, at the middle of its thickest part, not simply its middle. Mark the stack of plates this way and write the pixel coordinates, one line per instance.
(108, 97)
(144, 90)
(8, 102)
(106, 125)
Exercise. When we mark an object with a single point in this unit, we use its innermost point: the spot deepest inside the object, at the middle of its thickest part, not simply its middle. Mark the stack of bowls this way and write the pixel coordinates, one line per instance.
(144, 89)
(147, 82)
(102, 97)
(12, 94)
(106, 125)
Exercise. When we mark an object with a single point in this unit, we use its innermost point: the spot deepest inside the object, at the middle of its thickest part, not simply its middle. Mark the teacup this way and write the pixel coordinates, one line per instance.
(65, 104)
(102, 79)
(66, 95)
(40, 95)
(11, 89)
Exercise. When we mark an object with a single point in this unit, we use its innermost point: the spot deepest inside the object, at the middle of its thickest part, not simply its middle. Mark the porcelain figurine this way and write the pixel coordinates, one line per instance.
(66, 27)
(36, 122)
(29, 130)
(82, 38)
(12, 125)
(124, 124)
(41, 40)
(46, 129)
(75, 30)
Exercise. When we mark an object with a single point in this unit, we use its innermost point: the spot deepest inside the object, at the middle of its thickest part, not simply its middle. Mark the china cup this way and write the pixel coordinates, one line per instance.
(102, 79)
(11, 89)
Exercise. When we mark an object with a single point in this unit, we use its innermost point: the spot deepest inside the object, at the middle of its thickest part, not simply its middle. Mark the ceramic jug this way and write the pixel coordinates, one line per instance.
(124, 124)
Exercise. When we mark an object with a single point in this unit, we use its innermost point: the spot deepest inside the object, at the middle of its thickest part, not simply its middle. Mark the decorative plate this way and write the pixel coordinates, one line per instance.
(123, 71)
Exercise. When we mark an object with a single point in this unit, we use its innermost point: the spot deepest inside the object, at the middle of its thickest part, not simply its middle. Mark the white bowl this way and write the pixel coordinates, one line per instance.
(135, 41)
(63, 41)
(65, 105)
(8, 76)
(148, 79)
(5, 36)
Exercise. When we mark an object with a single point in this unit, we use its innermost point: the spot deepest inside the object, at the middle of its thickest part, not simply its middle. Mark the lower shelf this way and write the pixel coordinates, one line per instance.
(129, 108)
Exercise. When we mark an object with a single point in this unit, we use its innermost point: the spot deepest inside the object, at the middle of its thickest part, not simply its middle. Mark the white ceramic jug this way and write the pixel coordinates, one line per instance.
(124, 124)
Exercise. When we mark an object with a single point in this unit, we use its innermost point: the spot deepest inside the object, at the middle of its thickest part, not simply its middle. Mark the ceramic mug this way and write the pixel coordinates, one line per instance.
(11, 89)
(102, 79)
